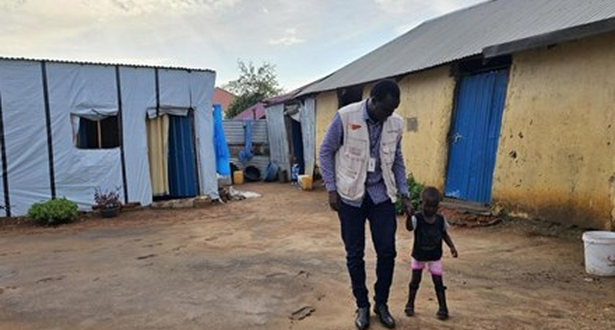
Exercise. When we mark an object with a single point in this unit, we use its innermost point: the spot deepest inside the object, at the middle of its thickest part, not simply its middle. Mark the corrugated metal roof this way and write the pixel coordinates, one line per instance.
(282, 98)
(103, 64)
(254, 112)
(466, 33)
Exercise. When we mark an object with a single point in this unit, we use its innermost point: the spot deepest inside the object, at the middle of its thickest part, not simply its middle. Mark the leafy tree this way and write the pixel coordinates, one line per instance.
(253, 85)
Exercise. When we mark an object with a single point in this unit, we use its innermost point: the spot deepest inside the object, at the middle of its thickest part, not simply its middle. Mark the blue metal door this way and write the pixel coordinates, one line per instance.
(182, 168)
(474, 139)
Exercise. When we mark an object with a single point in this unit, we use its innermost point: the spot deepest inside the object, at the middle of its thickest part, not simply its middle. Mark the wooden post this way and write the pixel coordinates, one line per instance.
(99, 134)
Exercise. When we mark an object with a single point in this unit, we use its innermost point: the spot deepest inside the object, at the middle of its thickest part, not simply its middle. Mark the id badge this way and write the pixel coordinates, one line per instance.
(371, 165)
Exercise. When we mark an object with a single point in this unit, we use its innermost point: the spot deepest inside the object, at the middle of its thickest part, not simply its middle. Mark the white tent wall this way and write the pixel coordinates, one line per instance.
(25, 135)
(202, 89)
(308, 129)
(89, 90)
(75, 89)
(183, 89)
(278, 139)
(138, 94)
(174, 88)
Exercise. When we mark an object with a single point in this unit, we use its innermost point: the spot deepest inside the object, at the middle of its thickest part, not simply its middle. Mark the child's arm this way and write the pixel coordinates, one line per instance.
(450, 244)
(409, 223)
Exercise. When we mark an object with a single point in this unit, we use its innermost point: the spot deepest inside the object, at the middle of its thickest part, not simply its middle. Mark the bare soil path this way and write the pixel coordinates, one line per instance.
(277, 262)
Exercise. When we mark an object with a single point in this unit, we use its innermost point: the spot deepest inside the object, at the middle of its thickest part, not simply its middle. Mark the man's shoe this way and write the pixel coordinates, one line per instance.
(385, 317)
(362, 321)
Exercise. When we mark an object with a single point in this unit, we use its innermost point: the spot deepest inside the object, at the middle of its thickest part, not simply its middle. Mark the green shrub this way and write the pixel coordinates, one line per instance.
(53, 212)
(414, 191)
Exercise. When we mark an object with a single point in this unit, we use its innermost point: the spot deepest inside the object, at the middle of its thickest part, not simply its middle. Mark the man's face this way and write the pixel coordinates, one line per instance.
(385, 108)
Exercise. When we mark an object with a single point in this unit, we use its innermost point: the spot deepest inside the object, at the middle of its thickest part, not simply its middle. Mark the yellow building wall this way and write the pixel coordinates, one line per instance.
(556, 155)
(426, 104)
(366, 90)
(427, 99)
(326, 107)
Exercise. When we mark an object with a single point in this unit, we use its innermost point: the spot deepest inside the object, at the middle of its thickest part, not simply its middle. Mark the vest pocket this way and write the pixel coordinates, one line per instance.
(352, 162)
(354, 158)
(355, 148)
(345, 182)
(387, 153)
(387, 157)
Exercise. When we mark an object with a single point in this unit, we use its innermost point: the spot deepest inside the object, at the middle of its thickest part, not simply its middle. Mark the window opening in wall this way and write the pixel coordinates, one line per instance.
(98, 134)
(349, 95)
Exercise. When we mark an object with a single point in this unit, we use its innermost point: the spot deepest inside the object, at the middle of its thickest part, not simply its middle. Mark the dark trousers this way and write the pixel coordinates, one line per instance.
(383, 224)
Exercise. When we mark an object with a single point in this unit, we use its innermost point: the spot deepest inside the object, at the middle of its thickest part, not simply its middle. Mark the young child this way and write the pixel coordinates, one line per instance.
(430, 229)
(294, 173)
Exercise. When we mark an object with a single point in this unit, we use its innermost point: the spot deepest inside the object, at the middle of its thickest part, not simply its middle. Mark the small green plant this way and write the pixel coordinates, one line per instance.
(53, 212)
(414, 191)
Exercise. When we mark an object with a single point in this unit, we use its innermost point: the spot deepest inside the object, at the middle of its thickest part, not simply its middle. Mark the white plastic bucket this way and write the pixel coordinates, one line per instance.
(599, 253)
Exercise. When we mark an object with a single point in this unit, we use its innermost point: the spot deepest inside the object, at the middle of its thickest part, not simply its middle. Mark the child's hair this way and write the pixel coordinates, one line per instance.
(431, 194)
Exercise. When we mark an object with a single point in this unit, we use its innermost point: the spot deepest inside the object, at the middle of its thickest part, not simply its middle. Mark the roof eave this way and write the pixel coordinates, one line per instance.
(142, 66)
(555, 37)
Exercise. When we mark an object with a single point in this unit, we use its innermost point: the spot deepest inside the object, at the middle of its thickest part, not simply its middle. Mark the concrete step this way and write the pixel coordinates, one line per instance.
(467, 206)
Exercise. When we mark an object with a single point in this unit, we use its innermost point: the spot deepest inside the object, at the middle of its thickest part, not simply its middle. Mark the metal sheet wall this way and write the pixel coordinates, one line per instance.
(234, 132)
(278, 138)
(308, 128)
(235, 137)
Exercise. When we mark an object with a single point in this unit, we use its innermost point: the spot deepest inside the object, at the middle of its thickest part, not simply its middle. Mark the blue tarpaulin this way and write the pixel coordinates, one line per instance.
(246, 154)
(182, 171)
(223, 155)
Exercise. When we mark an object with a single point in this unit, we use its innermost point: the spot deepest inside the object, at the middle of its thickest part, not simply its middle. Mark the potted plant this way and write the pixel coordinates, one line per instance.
(108, 202)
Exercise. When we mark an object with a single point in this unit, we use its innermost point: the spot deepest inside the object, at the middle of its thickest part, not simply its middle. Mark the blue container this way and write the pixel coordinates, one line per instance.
(271, 174)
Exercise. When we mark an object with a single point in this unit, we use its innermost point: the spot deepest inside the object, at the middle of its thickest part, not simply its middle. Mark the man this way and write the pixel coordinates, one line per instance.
(363, 170)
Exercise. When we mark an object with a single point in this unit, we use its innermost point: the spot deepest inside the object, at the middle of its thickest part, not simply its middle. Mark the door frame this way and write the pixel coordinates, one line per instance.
(459, 70)
(193, 137)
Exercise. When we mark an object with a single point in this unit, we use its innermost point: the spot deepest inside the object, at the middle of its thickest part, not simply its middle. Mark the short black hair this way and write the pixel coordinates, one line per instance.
(431, 194)
(383, 88)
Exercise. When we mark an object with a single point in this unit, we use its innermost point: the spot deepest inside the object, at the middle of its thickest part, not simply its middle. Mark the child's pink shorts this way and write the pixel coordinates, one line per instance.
(435, 267)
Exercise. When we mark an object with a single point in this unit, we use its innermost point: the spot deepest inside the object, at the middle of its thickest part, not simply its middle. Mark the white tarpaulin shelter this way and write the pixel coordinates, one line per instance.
(67, 128)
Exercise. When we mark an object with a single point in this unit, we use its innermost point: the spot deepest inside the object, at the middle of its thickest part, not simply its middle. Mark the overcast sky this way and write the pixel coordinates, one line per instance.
(304, 39)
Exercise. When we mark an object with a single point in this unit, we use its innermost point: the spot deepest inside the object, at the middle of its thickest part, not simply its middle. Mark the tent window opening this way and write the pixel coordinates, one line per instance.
(98, 134)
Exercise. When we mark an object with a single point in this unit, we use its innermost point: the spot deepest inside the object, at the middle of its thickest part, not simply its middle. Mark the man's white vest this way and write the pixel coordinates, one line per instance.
(352, 158)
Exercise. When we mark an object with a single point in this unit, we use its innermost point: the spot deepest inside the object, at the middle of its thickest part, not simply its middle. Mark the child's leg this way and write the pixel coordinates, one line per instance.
(436, 275)
(413, 287)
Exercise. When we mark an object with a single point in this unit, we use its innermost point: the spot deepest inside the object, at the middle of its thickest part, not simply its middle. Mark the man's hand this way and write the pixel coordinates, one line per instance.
(334, 200)
(454, 252)
(407, 206)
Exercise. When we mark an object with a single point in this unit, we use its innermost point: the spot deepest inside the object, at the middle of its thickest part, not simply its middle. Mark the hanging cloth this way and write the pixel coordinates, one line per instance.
(223, 166)
(158, 150)
(246, 154)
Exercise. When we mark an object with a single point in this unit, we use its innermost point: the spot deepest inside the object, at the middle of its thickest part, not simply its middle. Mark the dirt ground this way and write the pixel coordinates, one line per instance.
(277, 262)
